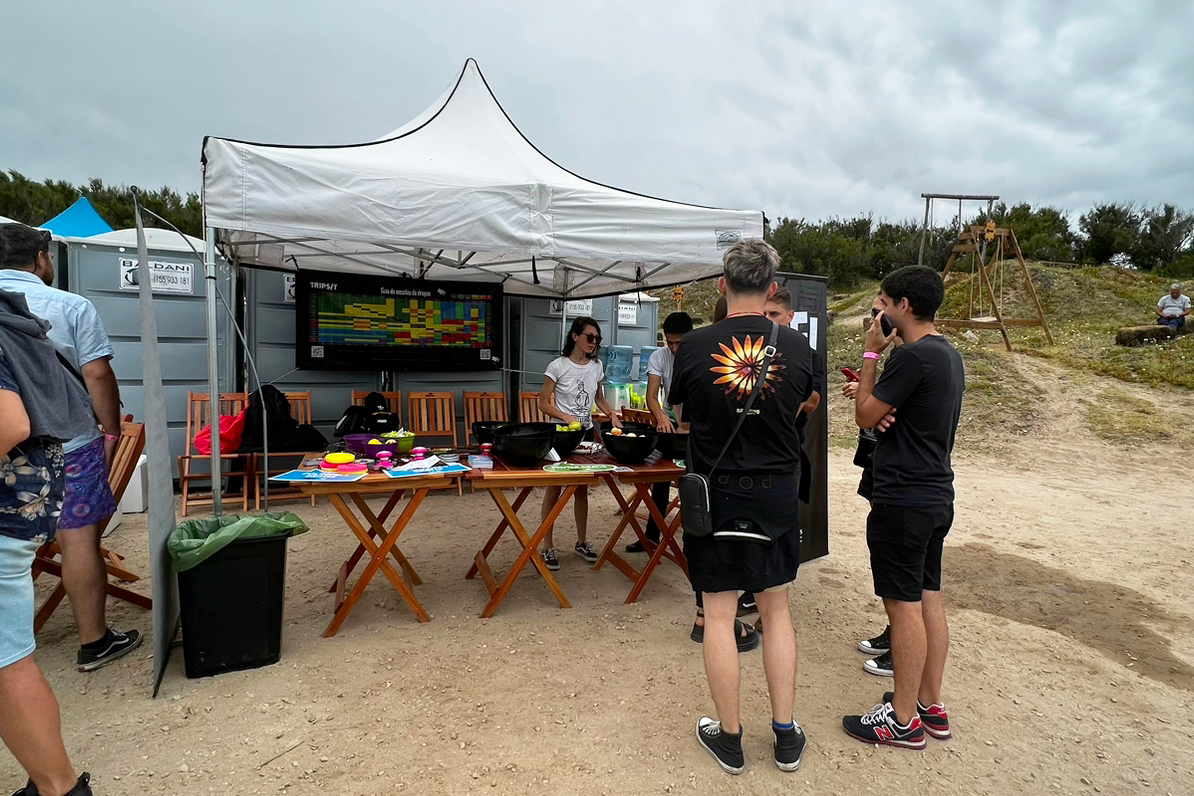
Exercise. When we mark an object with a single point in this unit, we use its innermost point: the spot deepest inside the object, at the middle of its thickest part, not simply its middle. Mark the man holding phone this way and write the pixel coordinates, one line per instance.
(912, 504)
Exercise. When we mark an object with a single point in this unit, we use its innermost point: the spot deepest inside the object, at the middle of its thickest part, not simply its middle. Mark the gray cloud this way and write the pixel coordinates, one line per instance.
(792, 108)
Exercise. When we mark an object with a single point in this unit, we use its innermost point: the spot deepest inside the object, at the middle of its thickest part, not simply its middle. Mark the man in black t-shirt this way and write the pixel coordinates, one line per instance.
(912, 501)
(755, 545)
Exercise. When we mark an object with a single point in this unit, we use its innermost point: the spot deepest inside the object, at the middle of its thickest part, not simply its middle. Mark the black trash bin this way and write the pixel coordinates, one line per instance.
(231, 590)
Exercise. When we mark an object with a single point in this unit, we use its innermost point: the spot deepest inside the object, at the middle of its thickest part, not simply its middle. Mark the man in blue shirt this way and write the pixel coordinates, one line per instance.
(79, 336)
(39, 408)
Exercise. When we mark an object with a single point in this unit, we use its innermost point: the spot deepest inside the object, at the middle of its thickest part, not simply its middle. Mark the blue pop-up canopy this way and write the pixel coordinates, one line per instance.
(77, 221)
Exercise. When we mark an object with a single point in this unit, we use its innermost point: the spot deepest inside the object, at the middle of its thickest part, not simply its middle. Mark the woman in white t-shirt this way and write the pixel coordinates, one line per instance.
(571, 387)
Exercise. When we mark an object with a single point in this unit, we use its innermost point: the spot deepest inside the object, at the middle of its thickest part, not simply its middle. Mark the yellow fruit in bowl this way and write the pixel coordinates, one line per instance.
(376, 442)
(575, 426)
(615, 432)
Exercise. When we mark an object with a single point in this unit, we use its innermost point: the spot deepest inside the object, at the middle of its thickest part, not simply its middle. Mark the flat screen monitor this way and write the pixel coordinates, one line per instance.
(362, 322)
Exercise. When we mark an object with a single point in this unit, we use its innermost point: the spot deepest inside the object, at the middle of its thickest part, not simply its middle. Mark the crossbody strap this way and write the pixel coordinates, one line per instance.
(768, 354)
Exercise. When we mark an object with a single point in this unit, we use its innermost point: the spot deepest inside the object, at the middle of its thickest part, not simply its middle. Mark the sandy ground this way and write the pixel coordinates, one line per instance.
(1068, 579)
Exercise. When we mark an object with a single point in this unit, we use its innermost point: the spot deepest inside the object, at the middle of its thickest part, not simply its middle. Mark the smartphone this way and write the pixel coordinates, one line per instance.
(886, 326)
(849, 374)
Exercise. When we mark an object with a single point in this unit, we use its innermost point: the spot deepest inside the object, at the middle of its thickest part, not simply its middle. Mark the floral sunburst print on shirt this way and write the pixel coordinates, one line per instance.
(739, 367)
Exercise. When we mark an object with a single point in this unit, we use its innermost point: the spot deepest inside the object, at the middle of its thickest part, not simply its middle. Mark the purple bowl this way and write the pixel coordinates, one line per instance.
(359, 444)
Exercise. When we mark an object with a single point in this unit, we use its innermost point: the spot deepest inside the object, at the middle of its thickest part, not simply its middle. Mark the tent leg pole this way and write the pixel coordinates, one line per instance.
(213, 371)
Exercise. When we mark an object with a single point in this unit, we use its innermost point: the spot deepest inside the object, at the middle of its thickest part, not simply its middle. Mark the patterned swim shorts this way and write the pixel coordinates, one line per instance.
(88, 497)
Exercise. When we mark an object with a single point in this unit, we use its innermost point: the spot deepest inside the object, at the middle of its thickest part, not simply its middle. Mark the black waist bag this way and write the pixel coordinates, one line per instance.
(695, 515)
(754, 508)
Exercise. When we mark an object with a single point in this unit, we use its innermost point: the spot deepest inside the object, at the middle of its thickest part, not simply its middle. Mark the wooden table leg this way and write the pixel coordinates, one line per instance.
(378, 554)
(667, 539)
(355, 558)
(530, 549)
(627, 510)
(497, 535)
(378, 531)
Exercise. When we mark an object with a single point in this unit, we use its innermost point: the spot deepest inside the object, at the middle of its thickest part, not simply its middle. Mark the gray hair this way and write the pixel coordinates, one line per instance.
(750, 266)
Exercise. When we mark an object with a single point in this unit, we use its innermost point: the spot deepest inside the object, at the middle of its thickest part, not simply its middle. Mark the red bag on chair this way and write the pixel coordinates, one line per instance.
(231, 428)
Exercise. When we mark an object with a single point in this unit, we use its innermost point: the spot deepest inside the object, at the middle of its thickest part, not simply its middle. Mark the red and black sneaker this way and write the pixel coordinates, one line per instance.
(934, 718)
(879, 726)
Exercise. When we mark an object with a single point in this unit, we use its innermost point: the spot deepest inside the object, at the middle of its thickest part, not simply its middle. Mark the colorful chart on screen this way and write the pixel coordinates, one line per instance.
(350, 321)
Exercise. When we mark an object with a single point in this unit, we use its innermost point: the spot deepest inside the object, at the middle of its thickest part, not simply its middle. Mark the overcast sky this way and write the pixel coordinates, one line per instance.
(796, 108)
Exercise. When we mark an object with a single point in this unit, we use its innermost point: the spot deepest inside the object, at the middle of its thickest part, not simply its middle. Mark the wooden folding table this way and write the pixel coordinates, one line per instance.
(374, 538)
(642, 477)
(502, 476)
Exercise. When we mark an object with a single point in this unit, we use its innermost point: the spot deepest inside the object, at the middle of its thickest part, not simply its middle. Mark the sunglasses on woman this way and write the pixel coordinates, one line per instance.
(592, 338)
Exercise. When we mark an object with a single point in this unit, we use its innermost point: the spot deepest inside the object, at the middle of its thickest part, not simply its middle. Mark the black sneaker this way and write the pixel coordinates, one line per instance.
(879, 726)
(549, 558)
(725, 748)
(586, 551)
(746, 605)
(113, 646)
(934, 718)
(637, 547)
(81, 788)
(877, 645)
(747, 640)
(881, 666)
(789, 747)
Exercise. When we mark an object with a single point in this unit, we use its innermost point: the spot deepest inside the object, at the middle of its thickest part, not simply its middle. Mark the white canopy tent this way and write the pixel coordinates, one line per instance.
(457, 193)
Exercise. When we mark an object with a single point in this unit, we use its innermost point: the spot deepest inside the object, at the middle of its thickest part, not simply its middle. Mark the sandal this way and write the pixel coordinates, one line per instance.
(747, 636)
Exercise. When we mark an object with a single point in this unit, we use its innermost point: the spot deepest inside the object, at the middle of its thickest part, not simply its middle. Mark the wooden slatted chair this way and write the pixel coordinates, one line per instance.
(300, 410)
(124, 463)
(393, 399)
(637, 416)
(198, 416)
(483, 406)
(432, 414)
(528, 408)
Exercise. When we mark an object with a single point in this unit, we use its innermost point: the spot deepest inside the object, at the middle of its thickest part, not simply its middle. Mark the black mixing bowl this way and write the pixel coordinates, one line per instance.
(673, 446)
(483, 429)
(523, 444)
(566, 442)
(630, 450)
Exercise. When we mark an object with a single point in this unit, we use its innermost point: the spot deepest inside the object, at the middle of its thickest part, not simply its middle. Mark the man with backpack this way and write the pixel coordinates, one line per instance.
(41, 405)
(79, 337)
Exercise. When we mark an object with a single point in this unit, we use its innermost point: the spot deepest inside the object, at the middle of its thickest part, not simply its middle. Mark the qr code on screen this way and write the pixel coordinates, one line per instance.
(316, 352)
(486, 355)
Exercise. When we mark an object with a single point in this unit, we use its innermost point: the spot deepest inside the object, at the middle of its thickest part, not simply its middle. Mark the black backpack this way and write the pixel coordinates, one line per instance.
(285, 433)
(374, 417)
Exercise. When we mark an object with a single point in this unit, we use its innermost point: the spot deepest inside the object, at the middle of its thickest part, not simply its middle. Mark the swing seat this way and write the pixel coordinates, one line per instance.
(985, 318)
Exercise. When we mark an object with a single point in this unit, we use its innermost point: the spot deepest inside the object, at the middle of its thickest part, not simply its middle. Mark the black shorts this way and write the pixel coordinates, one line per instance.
(905, 545)
(717, 564)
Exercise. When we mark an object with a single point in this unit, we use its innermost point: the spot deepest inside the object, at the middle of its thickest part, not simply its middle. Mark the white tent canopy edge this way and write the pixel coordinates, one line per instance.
(458, 194)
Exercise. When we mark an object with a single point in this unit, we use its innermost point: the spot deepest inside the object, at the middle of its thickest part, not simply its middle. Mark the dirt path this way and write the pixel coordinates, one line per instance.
(1069, 589)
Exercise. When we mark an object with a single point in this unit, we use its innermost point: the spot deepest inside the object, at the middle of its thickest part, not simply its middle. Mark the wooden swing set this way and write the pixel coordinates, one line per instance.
(976, 242)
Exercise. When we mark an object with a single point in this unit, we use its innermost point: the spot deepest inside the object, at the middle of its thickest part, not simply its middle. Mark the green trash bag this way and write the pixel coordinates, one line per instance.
(195, 541)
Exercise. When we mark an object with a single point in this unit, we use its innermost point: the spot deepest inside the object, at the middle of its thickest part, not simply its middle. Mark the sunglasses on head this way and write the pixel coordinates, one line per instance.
(592, 338)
